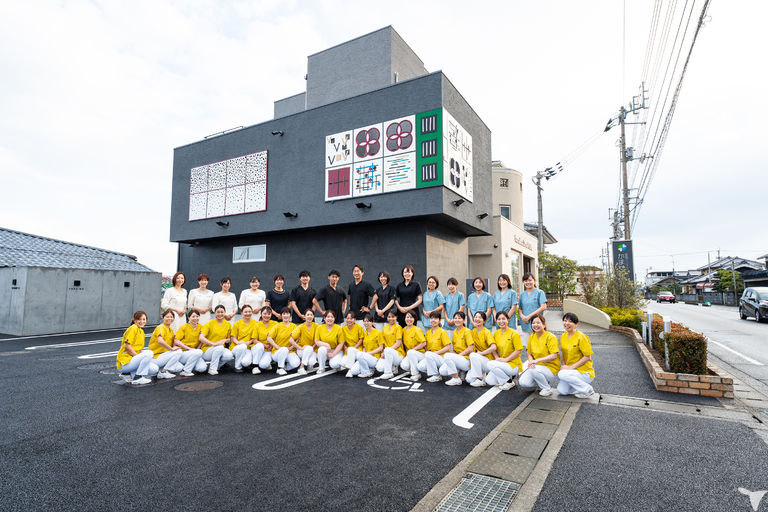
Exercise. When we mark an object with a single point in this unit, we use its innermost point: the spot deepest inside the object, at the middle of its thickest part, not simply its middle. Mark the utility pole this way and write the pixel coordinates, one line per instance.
(546, 174)
(624, 184)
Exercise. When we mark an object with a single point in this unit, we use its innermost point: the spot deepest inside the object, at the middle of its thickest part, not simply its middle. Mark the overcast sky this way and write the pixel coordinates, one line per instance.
(94, 96)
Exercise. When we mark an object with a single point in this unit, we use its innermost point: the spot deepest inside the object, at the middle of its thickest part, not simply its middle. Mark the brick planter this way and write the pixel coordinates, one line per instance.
(717, 384)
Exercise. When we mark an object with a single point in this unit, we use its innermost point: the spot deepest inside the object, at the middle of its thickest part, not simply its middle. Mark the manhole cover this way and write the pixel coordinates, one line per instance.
(202, 385)
(98, 366)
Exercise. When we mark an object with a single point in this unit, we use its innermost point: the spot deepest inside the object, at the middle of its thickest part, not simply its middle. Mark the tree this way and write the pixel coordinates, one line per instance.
(590, 284)
(724, 281)
(616, 290)
(557, 274)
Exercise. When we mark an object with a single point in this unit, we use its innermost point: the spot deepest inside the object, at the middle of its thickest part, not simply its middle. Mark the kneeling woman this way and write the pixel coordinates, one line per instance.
(166, 356)
(370, 351)
(280, 340)
(463, 345)
(241, 336)
(303, 341)
(352, 335)
(132, 358)
(261, 352)
(187, 338)
(393, 352)
(506, 363)
(576, 371)
(213, 338)
(328, 343)
(415, 342)
(438, 344)
(543, 358)
(483, 353)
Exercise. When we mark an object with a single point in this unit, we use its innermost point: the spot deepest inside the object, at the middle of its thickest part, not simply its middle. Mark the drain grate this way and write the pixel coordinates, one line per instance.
(479, 493)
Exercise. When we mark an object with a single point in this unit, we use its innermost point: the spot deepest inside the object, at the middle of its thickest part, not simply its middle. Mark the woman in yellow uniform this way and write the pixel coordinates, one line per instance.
(576, 370)
(303, 341)
(393, 353)
(369, 352)
(213, 339)
(438, 344)
(132, 358)
(415, 342)
(165, 355)
(483, 353)
(506, 362)
(280, 340)
(458, 359)
(352, 335)
(328, 342)
(543, 358)
(240, 338)
(187, 338)
(261, 352)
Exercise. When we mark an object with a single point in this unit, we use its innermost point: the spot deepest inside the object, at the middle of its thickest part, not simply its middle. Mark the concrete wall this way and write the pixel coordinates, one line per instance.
(12, 299)
(404, 60)
(511, 195)
(586, 313)
(447, 256)
(290, 105)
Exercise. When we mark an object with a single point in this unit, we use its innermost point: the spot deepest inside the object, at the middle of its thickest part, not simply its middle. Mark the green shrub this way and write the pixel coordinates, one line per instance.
(687, 352)
(625, 317)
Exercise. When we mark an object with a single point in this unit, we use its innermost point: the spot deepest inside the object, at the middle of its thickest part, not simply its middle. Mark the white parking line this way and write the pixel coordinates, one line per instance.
(272, 384)
(98, 356)
(31, 337)
(746, 358)
(74, 344)
(462, 419)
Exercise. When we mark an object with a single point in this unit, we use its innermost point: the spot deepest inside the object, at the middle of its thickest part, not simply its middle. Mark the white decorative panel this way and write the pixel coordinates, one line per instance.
(256, 197)
(197, 206)
(256, 167)
(235, 200)
(457, 157)
(338, 149)
(367, 143)
(216, 201)
(217, 175)
(236, 171)
(198, 181)
(399, 135)
(366, 177)
(399, 172)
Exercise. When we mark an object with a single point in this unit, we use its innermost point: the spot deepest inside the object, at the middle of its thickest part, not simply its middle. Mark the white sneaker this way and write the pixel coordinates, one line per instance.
(320, 370)
(507, 386)
(395, 371)
(140, 381)
(349, 374)
(584, 395)
(366, 375)
(416, 378)
(186, 374)
(256, 370)
(301, 371)
(126, 377)
(270, 368)
(453, 382)
(165, 375)
(213, 371)
(281, 371)
(434, 378)
(545, 392)
(477, 383)
(387, 376)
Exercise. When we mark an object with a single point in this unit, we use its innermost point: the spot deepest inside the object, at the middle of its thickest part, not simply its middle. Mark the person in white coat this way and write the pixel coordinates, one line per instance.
(201, 299)
(175, 300)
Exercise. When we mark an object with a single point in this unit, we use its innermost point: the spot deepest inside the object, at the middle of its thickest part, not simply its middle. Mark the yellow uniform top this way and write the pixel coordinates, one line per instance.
(329, 336)
(304, 335)
(412, 336)
(215, 331)
(243, 332)
(542, 346)
(351, 336)
(188, 335)
(437, 339)
(482, 340)
(164, 332)
(133, 336)
(261, 331)
(392, 333)
(574, 348)
(506, 343)
(372, 340)
(281, 334)
(462, 339)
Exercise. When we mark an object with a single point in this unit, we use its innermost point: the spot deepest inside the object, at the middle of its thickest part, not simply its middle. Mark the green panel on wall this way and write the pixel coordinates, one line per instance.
(429, 148)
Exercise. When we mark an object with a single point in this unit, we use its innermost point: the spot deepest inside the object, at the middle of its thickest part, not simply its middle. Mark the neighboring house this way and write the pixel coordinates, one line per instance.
(706, 278)
(757, 277)
(50, 286)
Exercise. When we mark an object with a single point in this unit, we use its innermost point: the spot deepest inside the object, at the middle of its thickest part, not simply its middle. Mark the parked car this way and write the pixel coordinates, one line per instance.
(754, 303)
(665, 297)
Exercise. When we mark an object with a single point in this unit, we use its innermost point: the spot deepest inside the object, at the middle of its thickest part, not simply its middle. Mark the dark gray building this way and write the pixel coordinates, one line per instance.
(378, 163)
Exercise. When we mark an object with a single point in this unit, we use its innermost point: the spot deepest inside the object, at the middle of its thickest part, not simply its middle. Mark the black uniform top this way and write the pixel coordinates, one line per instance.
(407, 294)
(359, 295)
(277, 300)
(303, 299)
(383, 296)
(332, 299)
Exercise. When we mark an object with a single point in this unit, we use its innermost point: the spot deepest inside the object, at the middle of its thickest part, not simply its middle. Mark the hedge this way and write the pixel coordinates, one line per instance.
(625, 317)
(687, 349)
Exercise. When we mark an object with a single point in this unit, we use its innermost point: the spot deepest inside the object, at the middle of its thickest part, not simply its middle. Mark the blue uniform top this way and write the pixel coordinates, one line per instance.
(453, 301)
(429, 301)
(530, 302)
(504, 301)
(481, 303)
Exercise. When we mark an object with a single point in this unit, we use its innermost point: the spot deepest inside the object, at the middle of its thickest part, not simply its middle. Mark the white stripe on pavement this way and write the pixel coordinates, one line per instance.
(98, 356)
(729, 349)
(74, 344)
(462, 419)
(52, 335)
(271, 384)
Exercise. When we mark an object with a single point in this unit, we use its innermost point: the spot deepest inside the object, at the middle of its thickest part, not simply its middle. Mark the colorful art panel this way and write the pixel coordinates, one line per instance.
(457, 159)
(399, 136)
(338, 183)
(367, 143)
(429, 142)
(367, 177)
(399, 172)
(338, 149)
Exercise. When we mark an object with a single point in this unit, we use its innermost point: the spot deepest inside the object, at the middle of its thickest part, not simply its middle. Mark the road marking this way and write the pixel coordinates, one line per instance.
(729, 349)
(755, 497)
(409, 385)
(98, 356)
(462, 419)
(74, 344)
(52, 335)
(272, 384)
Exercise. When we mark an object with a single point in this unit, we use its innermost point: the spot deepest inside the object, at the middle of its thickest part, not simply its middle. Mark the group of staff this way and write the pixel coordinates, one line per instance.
(382, 335)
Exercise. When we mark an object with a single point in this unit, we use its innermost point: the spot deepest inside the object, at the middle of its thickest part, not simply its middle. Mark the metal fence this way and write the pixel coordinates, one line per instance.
(723, 299)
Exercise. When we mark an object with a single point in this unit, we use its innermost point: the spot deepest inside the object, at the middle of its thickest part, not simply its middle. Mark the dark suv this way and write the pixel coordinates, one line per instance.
(754, 302)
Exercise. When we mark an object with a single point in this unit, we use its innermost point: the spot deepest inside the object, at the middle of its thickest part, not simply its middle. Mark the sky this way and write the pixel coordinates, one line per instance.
(95, 95)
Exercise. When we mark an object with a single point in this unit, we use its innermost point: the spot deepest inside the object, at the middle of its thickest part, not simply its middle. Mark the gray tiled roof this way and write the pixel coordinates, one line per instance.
(24, 250)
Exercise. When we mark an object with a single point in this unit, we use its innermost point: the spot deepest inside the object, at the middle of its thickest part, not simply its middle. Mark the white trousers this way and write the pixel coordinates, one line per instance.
(453, 363)
(573, 381)
(286, 359)
(478, 367)
(187, 361)
(349, 358)
(389, 360)
(322, 358)
(139, 364)
(539, 376)
(499, 373)
(166, 361)
(433, 363)
(308, 357)
(243, 356)
(364, 363)
(260, 356)
(413, 362)
(218, 356)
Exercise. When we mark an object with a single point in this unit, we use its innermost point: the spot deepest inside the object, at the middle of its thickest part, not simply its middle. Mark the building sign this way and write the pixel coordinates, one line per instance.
(523, 242)
(623, 257)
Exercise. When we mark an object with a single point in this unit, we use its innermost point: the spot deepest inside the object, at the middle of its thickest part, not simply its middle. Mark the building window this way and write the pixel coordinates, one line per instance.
(504, 182)
(504, 210)
(249, 253)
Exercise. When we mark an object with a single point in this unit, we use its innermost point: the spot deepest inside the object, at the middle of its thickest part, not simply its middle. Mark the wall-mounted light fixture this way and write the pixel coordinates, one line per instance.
(482, 216)
(290, 215)
(364, 205)
(223, 224)
(457, 202)
(277, 132)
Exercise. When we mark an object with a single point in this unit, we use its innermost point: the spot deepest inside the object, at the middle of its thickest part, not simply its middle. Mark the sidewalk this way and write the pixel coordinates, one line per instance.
(631, 448)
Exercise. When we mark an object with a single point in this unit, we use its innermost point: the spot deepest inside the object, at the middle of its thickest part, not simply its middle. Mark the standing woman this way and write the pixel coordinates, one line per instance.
(454, 302)
(432, 302)
(213, 338)
(505, 299)
(482, 340)
(393, 352)
(175, 300)
(351, 335)
(480, 301)
(415, 342)
(303, 340)
(165, 355)
(576, 371)
(463, 345)
(253, 296)
(407, 294)
(279, 339)
(383, 300)
(370, 351)
(261, 351)
(532, 302)
(201, 299)
(226, 299)
(543, 358)
(187, 339)
(506, 362)
(278, 298)
(132, 358)
(240, 338)
(327, 342)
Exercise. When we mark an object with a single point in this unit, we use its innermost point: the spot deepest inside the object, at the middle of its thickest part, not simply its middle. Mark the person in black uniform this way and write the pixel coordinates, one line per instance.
(383, 300)
(408, 294)
(333, 297)
(277, 298)
(360, 293)
(301, 297)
